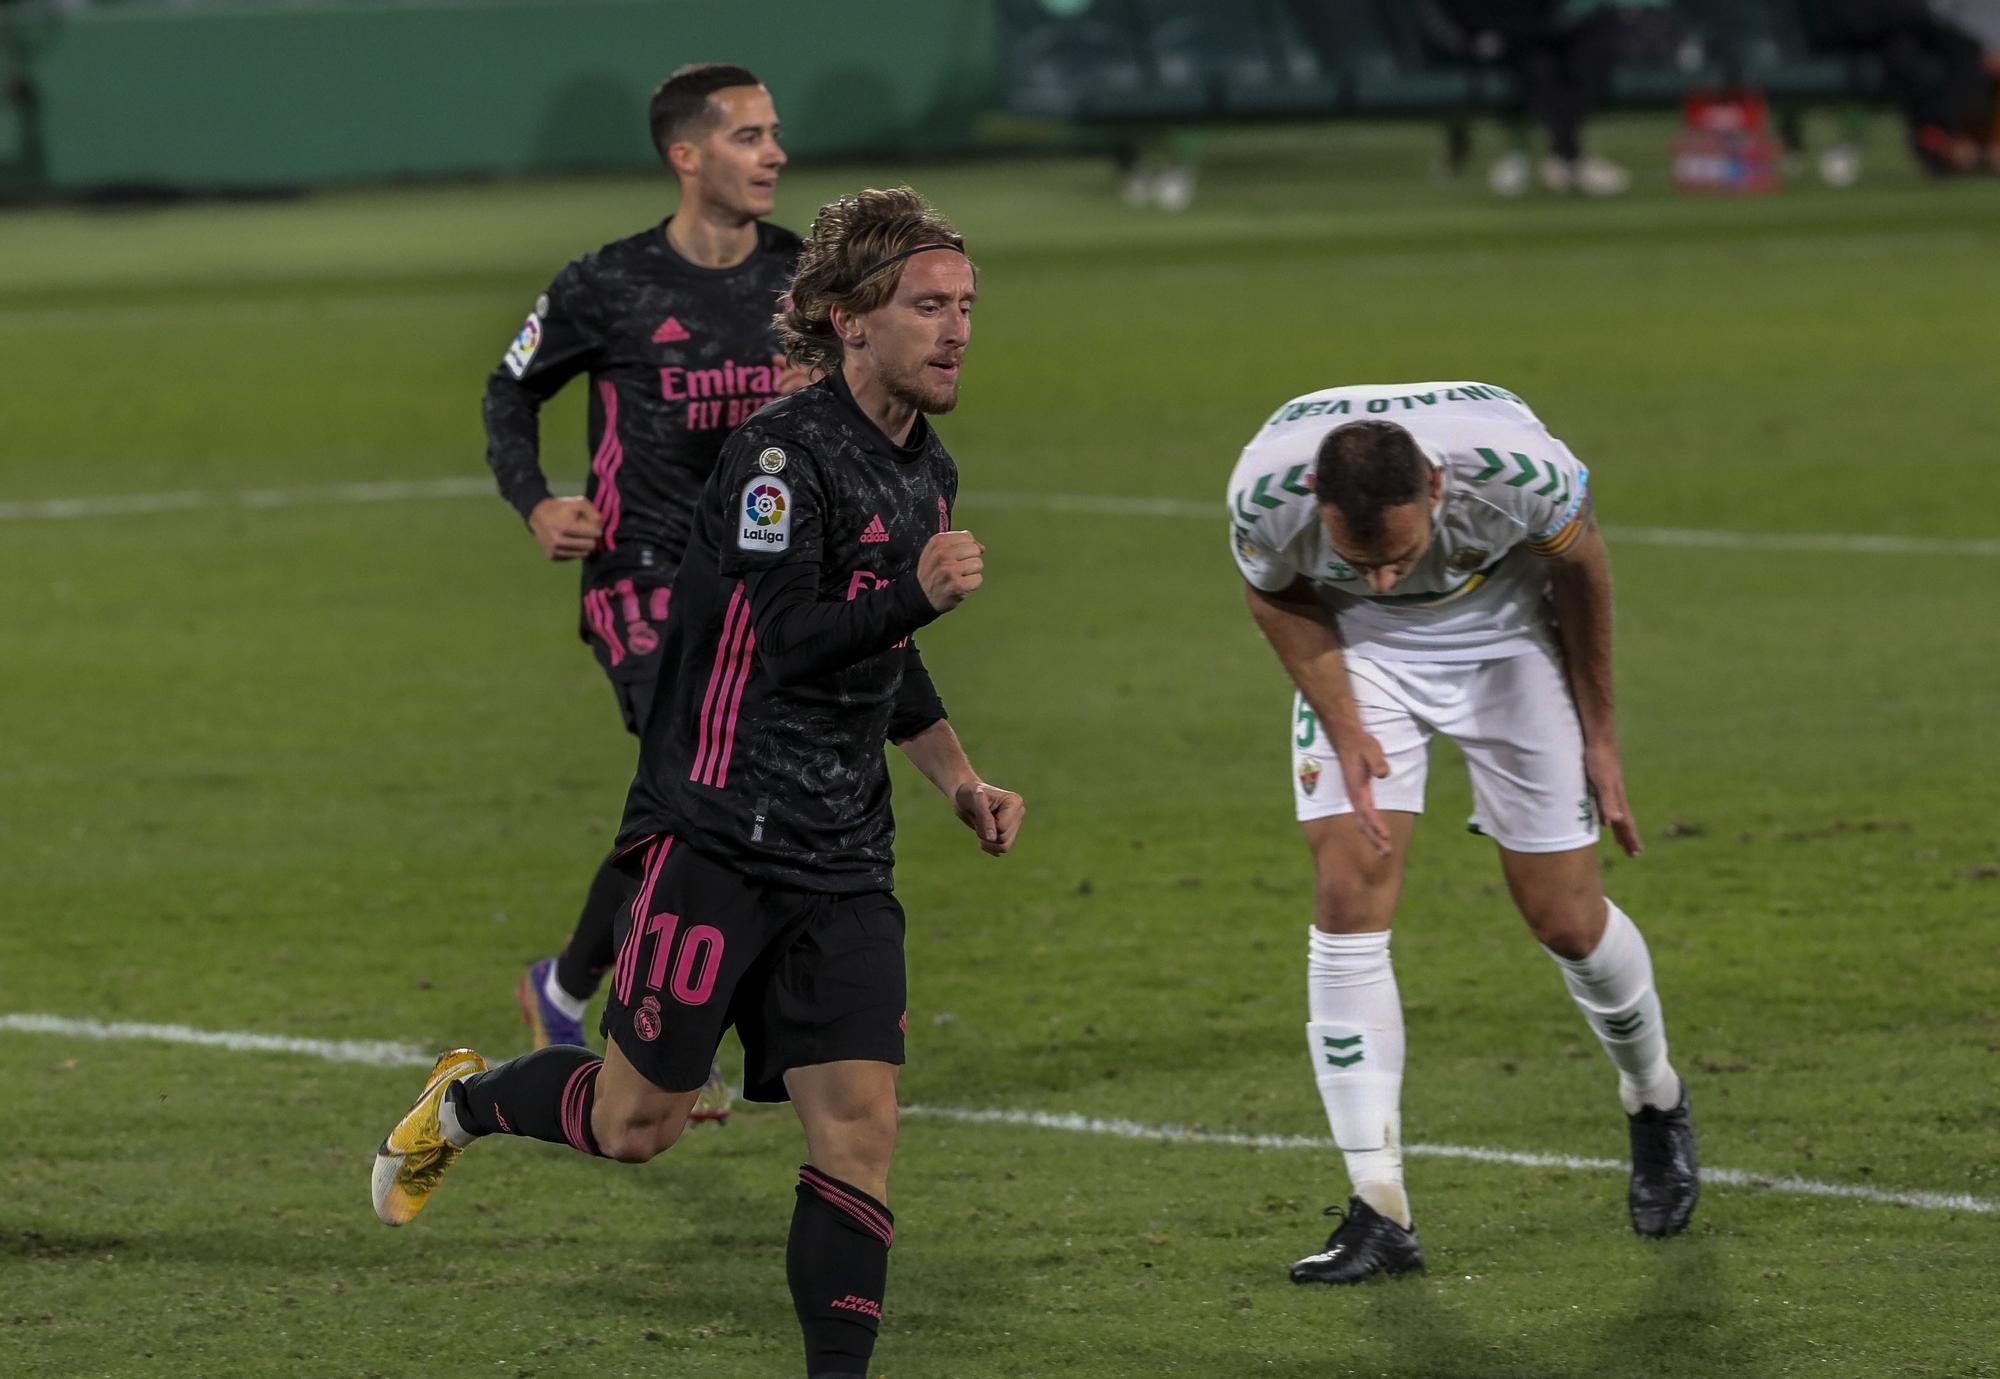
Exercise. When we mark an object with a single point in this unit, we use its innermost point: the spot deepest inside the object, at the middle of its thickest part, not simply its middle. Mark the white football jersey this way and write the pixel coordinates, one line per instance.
(1512, 493)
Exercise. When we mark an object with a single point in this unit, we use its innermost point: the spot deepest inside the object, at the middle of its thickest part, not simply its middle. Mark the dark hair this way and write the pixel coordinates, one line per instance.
(848, 237)
(680, 105)
(1367, 467)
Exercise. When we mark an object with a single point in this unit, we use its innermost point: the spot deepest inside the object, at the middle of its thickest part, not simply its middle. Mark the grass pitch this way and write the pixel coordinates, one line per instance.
(339, 771)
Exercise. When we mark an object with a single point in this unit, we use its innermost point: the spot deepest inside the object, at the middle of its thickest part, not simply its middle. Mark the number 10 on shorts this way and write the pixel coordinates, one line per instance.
(698, 963)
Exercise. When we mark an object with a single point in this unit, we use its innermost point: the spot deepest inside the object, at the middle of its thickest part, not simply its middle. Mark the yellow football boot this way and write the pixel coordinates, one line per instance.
(713, 1102)
(412, 1161)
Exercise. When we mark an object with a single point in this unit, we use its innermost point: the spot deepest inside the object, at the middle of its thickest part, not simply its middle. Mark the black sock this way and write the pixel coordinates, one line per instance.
(837, 1262)
(584, 959)
(545, 1095)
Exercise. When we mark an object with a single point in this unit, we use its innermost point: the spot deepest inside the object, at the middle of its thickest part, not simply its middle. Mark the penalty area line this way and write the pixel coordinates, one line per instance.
(1057, 504)
(391, 1054)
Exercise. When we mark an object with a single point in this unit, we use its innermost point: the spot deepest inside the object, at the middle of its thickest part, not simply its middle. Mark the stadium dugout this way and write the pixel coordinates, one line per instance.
(1152, 71)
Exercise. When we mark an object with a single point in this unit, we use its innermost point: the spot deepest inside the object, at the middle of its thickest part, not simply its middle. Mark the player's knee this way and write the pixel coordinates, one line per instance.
(1346, 903)
(635, 1135)
(1567, 927)
(639, 1142)
(1355, 888)
(863, 1141)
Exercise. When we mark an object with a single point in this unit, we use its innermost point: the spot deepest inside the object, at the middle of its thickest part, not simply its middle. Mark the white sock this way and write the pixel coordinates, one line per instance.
(552, 990)
(1356, 1040)
(449, 1125)
(1613, 987)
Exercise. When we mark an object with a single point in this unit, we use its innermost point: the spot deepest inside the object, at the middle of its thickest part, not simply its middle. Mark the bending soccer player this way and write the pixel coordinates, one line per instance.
(1443, 573)
(756, 843)
(673, 326)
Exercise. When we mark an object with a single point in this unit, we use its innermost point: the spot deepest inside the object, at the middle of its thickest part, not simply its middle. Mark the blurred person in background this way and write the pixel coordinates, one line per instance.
(673, 325)
(1562, 53)
(1940, 65)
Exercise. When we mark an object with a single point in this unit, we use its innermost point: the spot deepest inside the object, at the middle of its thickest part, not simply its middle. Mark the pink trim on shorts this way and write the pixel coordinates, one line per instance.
(597, 609)
(627, 966)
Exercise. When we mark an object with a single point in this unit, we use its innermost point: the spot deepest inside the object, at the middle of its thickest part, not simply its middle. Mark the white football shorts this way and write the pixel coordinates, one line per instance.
(1513, 719)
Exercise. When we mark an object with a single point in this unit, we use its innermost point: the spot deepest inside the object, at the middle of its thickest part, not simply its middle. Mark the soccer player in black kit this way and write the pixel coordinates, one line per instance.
(673, 326)
(756, 845)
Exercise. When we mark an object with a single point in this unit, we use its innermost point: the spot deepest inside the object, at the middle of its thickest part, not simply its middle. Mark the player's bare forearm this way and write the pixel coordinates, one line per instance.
(988, 810)
(1299, 629)
(1580, 584)
(937, 752)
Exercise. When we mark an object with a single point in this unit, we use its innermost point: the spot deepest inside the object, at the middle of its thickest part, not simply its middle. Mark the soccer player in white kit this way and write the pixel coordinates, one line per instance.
(1424, 560)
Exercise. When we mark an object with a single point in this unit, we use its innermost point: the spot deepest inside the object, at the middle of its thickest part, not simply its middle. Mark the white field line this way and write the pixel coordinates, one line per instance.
(384, 1054)
(325, 495)
(377, 1053)
(398, 490)
(1174, 1134)
(118, 315)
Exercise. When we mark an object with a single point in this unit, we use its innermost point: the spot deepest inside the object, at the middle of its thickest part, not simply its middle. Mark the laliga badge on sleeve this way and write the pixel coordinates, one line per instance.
(525, 344)
(772, 460)
(764, 523)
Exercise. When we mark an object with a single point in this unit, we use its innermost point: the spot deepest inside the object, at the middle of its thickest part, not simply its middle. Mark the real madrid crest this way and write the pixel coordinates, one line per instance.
(1471, 558)
(772, 460)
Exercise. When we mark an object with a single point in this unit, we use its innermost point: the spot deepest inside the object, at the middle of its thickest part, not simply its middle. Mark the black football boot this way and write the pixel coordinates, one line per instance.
(1666, 1173)
(1365, 1243)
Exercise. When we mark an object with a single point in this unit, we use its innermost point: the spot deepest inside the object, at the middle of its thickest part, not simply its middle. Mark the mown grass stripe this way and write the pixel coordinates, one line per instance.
(389, 1054)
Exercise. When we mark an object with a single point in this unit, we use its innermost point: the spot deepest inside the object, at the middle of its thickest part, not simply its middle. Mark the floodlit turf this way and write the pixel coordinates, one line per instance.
(341, 771)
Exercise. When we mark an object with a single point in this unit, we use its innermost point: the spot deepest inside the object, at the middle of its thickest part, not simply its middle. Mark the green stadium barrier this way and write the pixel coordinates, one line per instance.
(261, 96)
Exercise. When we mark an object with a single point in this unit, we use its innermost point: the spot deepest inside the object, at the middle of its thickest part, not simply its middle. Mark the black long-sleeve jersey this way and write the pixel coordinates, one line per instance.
(678, 355)
(789, 658)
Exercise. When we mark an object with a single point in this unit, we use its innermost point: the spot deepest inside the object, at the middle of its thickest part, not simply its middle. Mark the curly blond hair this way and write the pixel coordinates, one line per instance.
(847, 237)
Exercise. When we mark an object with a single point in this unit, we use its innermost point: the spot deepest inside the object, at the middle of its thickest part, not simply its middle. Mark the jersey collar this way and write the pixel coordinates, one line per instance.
(873, 435)
(683, 264)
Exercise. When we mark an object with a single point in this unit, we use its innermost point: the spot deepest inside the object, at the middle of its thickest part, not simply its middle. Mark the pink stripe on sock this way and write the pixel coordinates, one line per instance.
(869, 1216)
(717, 677)
(576, 1105)
(605, 464)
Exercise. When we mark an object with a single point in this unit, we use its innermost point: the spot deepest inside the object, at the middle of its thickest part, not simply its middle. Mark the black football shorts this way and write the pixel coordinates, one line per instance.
(805, 977)
(624, 622)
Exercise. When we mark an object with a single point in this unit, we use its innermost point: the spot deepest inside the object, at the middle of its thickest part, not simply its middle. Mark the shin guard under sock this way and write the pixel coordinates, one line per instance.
(1356, 1039)
(544, 1095)
(1613, 986)
(837, 1262)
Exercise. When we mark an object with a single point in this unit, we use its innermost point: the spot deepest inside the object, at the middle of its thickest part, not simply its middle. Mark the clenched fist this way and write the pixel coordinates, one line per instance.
(950, 568)
(567, 528)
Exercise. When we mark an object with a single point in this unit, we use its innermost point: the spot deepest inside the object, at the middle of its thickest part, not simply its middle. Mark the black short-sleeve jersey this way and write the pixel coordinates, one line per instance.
(677, 356)
(770, 758)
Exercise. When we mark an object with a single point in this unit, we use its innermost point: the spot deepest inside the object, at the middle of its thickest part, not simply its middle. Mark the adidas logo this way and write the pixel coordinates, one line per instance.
(876, 531)
(670, 332)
